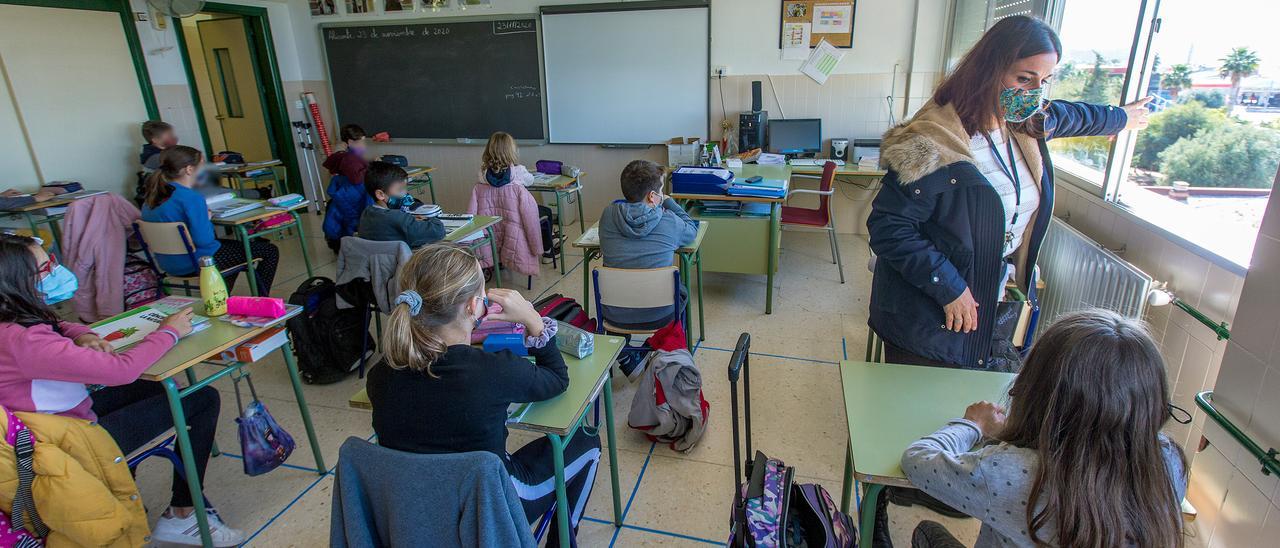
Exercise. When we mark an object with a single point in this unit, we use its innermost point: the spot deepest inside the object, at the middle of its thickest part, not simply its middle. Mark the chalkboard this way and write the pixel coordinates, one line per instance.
(438, 80)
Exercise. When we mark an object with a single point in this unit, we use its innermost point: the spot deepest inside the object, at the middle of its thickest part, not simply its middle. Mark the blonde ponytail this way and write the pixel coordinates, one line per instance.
(441, 278)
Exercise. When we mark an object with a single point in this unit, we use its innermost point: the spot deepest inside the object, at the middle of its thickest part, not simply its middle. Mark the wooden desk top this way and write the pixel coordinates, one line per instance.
(477, 224)
(414, 171)
(591, 239)
(889, 407)
(57, 201)
(562, 183)
(256, 214)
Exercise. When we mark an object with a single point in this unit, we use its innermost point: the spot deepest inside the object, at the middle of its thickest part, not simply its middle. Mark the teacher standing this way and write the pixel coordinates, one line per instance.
(968, 197)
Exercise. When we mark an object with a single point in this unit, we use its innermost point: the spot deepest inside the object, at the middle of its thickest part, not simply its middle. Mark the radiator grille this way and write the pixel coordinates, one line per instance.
(1078, 274)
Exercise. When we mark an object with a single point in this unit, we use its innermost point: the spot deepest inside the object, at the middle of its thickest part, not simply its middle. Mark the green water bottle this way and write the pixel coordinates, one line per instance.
(213, 290)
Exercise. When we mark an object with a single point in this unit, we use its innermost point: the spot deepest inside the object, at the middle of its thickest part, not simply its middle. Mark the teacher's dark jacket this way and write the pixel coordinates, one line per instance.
(937, 226)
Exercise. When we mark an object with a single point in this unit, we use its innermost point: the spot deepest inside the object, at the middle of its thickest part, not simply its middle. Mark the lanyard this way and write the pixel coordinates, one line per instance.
(1010, 171)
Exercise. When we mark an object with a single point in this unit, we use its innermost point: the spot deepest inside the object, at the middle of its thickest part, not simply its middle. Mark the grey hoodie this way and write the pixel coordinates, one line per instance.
(637, 235)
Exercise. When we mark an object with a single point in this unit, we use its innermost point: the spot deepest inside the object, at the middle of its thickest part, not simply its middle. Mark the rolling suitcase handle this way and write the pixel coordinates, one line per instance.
(739, 364)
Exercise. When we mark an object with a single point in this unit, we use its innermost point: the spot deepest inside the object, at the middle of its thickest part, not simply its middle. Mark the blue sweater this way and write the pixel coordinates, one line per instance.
(184, 206)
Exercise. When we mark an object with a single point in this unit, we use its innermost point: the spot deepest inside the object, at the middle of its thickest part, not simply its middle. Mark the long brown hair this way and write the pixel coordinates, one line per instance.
(500, 153)
(172, 162)
(1090, 402)
(445, 276)
(20, 300)
(973, 89)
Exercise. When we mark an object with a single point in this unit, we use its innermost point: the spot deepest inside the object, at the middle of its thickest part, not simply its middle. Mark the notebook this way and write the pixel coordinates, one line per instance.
(131, 326)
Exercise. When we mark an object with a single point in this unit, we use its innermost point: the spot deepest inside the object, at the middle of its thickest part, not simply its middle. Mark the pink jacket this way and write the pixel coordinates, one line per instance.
(519, 235)
(96, 229)
(44, 371)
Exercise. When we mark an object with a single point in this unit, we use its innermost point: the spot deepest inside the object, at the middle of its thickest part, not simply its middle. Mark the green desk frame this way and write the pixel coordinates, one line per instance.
(478, 223)
(420, 176)
(562, 190)
(690, 261)
(561, 417)
(240, 225)
(196, 348)
(237, 176)
(888, 407)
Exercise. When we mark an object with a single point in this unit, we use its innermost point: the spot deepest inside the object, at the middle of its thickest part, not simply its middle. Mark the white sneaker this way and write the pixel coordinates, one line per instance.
(176, 530)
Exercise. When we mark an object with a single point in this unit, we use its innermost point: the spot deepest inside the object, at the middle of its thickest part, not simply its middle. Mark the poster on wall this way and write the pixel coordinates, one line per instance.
(392, 6)
(324, 7)
(812, 21)
(359, 6)
(436, 5)
(467, 4)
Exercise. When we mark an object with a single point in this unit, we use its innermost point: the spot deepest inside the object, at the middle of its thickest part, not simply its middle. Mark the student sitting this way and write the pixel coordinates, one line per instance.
(171, 198)
(435, 393)
(347, 197)
(45, 364)
(645, 229)
(1078, 459)
(519, 234)
(159, 136)
(388, 219)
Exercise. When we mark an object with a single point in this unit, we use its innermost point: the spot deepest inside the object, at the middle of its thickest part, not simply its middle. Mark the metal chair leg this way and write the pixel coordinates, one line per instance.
(835, 250)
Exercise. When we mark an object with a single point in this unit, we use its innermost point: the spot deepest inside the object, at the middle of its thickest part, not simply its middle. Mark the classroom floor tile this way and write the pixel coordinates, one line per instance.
(671, 498)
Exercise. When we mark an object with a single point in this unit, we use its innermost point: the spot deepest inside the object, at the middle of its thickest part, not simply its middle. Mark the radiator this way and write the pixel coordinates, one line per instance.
(1079, 274)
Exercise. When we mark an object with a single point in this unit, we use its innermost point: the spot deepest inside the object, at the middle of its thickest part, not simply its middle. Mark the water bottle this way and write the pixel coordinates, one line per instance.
(213, 290)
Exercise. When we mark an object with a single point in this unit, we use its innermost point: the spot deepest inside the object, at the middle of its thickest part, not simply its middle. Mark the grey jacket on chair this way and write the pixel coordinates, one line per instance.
(377, 262)
(384, 497)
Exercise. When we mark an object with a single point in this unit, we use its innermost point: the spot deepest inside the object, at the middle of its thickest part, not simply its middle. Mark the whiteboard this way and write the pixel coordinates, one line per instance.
(626, 77)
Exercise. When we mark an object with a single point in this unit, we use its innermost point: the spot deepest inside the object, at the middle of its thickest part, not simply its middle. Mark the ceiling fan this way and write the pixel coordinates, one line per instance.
(176, 8)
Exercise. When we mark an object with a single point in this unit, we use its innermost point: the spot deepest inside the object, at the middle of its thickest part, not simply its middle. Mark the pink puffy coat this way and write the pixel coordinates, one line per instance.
(95, 231)
(519, 235)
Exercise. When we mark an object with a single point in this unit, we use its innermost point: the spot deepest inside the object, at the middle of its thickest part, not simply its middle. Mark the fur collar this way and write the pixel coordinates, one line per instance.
(935, 138)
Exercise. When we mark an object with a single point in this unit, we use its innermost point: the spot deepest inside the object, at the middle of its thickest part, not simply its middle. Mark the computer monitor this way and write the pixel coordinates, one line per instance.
(795, 136)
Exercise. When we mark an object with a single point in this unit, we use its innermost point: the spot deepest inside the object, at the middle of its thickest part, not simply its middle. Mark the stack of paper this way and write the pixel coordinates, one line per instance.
(767, 159)
(765, 188)
(869, 162)
(227, 205)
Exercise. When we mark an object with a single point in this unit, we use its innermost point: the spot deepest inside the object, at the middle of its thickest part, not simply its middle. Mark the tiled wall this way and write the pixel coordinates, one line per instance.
(1240, 506)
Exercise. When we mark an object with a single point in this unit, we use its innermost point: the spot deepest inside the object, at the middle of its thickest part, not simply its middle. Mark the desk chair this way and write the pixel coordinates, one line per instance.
(820, 217)
(174, 239)
(619, 290)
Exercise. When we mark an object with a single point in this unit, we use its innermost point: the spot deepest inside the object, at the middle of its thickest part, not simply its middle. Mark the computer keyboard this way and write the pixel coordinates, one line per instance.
(813, 161)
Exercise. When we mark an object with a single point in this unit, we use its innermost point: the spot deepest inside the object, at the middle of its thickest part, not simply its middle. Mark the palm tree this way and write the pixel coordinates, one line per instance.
(1178, 79)
(1238, 64)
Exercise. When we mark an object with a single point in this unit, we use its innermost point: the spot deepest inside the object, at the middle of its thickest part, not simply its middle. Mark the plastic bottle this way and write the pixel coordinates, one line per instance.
(213, 290)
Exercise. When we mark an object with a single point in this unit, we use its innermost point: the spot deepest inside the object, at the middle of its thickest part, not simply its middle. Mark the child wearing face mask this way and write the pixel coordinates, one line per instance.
(45, 364)
(388, 219)
(435, 393)
(347, 197)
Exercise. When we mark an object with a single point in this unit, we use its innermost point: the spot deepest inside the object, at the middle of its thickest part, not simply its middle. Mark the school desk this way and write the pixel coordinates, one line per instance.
(240, 225)
(559, 418)
(889, 407)
(208, 344)
(32, 214)
(420, 176)
(744, 244)
(480, 223)
(239, 174)
(563, 187)
(690, 258)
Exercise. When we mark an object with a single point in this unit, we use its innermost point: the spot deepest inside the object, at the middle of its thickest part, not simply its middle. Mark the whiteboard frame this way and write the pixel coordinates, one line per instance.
(542, 74)
(625, 6)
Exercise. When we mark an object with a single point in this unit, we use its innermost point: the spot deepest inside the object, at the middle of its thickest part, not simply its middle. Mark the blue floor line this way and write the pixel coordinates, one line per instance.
(775, 356)
(627, 509)
(844, 348)
(285, 465)
(676, 535)
(557, 282)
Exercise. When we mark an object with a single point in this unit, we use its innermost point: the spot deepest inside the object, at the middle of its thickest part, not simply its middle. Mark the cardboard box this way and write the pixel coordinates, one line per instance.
(683, 151)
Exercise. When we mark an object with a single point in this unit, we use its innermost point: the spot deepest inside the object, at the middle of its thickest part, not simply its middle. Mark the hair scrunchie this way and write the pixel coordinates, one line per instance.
(411, 298)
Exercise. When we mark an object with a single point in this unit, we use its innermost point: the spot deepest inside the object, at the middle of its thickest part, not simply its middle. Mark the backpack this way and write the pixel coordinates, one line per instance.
(565, 309)
(769, 509)
(141, 285)
(328, 341)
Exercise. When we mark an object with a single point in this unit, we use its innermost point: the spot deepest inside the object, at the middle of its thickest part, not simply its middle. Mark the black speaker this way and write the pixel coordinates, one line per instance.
(751, 130)
(755, 96)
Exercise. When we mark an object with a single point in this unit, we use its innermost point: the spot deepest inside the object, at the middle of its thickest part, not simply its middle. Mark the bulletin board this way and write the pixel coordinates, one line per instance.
(829, 19)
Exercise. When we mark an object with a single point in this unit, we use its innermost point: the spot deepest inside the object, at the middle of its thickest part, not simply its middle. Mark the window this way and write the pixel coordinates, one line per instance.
(1204, 168)
(227, 83)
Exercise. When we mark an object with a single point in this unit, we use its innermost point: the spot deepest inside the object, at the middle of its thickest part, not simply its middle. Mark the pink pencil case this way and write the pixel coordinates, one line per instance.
(262, 307)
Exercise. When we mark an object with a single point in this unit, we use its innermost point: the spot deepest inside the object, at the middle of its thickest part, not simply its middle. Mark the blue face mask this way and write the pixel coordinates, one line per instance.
(58, 286)
(483, 314)
(399, 202)
(1020, 104)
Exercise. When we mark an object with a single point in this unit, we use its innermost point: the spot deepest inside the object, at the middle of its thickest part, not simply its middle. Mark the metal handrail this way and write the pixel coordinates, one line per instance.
(1220, 329)
(1270, 464)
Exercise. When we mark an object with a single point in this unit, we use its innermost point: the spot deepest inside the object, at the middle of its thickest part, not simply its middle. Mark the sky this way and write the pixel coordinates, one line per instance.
(1192, 30)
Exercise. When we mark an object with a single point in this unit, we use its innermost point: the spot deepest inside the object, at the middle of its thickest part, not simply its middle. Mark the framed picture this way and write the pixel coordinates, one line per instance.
(436, 5)
(392, 6)
(814, 21)
(324, 7)
(355, 7)
(467, 4)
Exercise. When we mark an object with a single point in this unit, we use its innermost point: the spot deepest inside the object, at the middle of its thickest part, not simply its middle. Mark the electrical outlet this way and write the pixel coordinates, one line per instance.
(720, 71)
(298, 105)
